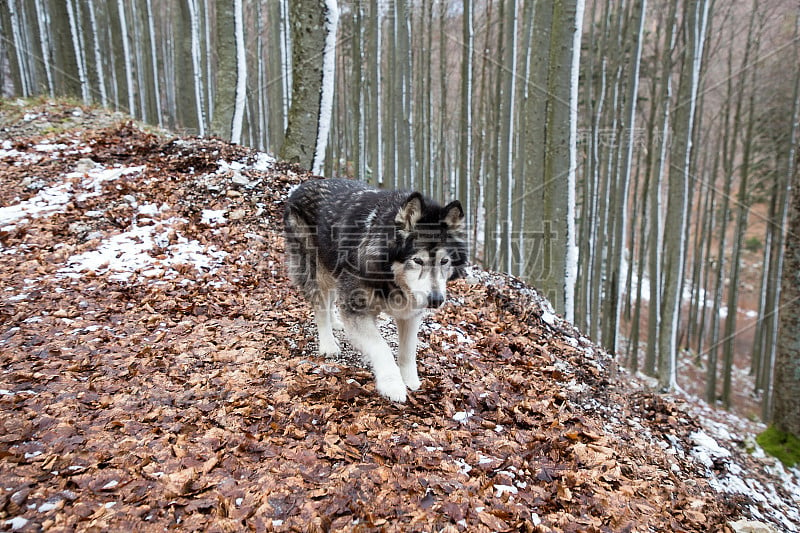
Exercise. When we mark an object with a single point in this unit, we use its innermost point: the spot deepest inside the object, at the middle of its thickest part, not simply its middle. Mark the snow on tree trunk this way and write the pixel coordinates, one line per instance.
(550, 164)
(313, 25)
(154, 65)
(571, 259)
(465, 157)
(328, 78)
(286, 59)
(126, 55)
(677, 208)
(197, 70)
(624, 184)
(44, 42)
(241, 73)
(231, 78)
(22, 75)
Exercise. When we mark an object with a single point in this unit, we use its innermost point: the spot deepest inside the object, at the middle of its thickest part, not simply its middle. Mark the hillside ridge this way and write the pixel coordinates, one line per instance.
(159, 371)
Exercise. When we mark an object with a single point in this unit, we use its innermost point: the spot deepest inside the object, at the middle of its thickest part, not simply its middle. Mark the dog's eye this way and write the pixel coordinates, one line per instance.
(445, 260)
(418, 261)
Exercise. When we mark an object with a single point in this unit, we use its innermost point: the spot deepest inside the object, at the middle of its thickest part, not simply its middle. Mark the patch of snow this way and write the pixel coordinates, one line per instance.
(17, 523)
(47, 202)
(110, 485)
(485, 459)
(130, 252)
(463, 416)
(463, 467)
(47, 506)
(263, 162)
(213, 217)
(502, 489)
(148, 210)
(52, 200)
(47, 147)
(706, 444)
(224, 166)
(6, 392)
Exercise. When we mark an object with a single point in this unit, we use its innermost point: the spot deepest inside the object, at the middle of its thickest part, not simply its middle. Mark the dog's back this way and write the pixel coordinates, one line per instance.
(326, 221)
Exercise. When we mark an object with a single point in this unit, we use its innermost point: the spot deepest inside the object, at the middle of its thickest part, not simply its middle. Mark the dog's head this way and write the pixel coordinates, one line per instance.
(431, 249)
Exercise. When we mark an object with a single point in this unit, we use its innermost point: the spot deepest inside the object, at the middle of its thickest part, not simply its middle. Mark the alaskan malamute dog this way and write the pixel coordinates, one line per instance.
(373, 251)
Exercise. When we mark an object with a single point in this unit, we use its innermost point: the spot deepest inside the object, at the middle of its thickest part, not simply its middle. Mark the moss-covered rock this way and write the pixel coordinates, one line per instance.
(784, 446)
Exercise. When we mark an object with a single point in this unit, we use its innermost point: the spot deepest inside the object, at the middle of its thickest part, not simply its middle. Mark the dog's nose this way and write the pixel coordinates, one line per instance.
(435, 299)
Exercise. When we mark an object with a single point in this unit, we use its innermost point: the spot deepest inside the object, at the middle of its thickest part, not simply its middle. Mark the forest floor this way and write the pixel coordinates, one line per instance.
(159, 372)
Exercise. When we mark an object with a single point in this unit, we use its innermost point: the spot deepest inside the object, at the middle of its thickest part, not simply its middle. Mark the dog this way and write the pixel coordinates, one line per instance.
(373, 251)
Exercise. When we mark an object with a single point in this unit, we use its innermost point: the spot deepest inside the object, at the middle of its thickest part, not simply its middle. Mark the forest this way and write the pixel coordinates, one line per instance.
(632, 159)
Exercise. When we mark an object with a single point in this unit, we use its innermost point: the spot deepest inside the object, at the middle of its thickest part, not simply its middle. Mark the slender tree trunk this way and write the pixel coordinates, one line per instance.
(743, 208)
(674, 246)
(376, 94)
(506, 155)
(659, 142)
(465, 161)
(618, 251)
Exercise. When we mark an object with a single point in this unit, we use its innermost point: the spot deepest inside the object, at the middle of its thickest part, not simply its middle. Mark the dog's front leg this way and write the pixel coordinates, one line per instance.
(407, 329)
(325, 319)
(366, 338)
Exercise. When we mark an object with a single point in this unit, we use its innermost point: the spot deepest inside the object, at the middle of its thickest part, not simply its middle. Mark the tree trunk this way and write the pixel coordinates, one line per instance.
(311, 22)
(785, 398)
(225, 71)
(786, 388)
(231, 72)
(677, 209)
(552, 179)
(465, 166)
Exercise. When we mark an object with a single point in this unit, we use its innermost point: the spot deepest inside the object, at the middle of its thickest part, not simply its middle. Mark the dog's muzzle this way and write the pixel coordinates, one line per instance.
(435, 299)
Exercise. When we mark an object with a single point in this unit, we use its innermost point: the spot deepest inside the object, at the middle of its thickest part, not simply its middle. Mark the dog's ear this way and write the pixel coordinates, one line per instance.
(453, 215)
(411, 211)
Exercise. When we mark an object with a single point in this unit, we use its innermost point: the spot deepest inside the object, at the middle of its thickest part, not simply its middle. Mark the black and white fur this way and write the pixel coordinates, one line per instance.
(373, 251)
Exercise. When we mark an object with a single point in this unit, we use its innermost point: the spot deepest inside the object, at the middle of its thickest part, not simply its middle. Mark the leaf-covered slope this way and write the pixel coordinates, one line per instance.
(159, 372)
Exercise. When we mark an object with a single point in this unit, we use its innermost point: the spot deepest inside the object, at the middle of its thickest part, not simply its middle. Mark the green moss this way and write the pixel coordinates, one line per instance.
(784, 446)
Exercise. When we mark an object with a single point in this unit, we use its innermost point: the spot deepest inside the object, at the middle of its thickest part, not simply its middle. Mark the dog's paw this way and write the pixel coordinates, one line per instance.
(410, 378)
(392, 388)
(328, 347)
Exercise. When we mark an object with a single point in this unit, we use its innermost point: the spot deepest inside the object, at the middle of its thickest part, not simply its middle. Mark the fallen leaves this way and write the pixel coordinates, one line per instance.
(194, 400)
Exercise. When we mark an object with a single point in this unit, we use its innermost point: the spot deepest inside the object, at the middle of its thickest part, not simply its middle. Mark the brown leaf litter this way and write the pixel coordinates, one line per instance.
(180, 388)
